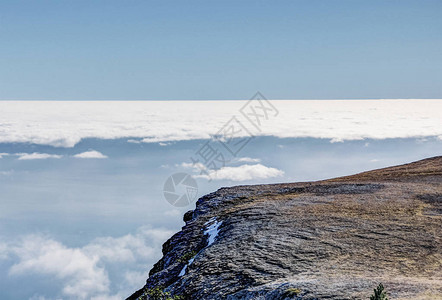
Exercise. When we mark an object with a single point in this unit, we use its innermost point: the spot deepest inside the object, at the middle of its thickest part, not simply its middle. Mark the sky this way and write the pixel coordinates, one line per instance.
(173, 50)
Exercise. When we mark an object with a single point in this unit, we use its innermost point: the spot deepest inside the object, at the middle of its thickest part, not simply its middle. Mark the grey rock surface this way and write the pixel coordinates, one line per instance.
(333, 239)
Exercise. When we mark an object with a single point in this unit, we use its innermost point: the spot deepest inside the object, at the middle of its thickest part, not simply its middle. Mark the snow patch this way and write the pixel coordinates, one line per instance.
(183, 271)
(191, 260)
(212, 231)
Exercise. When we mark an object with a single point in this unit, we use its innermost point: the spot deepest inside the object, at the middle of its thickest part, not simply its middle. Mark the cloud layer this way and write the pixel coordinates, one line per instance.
(65, 123)
(83, 272)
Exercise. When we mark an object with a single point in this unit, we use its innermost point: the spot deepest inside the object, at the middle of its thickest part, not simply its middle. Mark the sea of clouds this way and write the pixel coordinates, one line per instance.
(65, 123)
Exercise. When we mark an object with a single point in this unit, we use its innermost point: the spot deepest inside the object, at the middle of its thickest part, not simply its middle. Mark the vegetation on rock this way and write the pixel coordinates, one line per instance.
(290, 292)
(158, 293)
(187, 256)
(379, 293)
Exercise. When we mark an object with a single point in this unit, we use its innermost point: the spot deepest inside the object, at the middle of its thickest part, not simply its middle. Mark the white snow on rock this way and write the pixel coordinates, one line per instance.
(212, 231)
(183, 271)
(191, 260)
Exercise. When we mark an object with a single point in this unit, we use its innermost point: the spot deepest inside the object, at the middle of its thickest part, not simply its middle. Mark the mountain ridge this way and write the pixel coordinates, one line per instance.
(329, 239)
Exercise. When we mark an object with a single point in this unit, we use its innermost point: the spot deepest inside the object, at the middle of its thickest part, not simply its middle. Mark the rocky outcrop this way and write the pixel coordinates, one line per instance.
(333, 239)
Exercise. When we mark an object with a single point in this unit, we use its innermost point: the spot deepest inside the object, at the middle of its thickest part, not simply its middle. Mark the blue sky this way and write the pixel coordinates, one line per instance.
(68, 50)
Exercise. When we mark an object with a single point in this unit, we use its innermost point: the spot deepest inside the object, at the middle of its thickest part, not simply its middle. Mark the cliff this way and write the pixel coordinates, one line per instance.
(332, 239)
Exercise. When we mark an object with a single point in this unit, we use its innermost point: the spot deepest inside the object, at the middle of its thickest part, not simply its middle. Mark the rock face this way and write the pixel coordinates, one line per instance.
(332, 239)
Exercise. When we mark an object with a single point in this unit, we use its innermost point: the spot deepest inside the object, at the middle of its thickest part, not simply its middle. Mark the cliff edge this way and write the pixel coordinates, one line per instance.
(332, 239)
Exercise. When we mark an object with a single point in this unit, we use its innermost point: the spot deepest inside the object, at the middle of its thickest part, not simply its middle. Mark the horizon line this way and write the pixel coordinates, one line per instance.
(160, 100)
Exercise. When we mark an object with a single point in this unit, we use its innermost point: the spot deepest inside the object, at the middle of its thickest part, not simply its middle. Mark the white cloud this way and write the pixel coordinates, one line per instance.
(185, 165)
(242, 173)
(65, 123)
(90, 154)
(31, 156)
(132, 141)
(83, 271)
(79, 272)
(337, 140)
(36, 155)
(249, 159)
(194, 166)
(237, 173)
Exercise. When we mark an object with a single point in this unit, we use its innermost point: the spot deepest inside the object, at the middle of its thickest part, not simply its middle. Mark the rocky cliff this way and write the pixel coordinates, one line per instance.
(332, 239)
